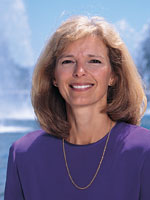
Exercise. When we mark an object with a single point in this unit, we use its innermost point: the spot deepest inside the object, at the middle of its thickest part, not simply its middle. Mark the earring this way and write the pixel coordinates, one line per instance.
(54, 83)
(111, 83)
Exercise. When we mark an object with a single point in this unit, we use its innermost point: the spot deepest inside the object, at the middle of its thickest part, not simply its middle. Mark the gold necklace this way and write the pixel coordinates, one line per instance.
(99, 165)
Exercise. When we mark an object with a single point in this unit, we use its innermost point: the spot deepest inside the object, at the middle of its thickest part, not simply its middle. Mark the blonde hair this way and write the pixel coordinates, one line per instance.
(126, 99)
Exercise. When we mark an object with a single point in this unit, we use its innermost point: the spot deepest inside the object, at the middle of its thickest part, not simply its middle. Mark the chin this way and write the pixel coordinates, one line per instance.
(85, 103)
(81, 104)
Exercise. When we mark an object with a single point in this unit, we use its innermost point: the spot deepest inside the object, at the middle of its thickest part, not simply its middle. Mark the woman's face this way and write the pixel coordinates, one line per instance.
(83, 73)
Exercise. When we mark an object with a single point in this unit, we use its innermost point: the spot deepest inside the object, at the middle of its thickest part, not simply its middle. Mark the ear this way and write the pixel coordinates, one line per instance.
(54, 82)
(111, 80)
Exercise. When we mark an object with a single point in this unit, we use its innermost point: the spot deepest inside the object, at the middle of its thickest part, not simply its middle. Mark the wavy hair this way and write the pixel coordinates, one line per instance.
(126, 100)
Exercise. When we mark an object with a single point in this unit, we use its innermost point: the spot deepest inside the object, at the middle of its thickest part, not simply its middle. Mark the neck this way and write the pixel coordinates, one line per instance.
(87, 125)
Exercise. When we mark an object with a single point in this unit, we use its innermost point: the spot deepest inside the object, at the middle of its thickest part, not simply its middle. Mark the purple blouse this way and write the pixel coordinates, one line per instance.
(37, 171)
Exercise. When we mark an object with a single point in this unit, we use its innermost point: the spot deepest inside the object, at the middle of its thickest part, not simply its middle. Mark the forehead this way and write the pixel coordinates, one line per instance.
(87, 45)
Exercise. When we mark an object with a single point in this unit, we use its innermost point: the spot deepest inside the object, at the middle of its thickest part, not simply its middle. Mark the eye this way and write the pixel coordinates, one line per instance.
(67, 61)
(94, 61)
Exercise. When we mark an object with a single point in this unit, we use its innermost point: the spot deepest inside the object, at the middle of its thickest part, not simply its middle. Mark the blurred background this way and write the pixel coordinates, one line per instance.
(26, 25)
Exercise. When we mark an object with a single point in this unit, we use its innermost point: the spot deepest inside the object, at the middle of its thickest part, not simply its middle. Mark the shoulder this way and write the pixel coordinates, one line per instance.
(34, 141)
(134, 136)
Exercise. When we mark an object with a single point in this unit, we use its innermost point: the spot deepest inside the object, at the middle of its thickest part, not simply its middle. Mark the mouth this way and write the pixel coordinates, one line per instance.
(78, 86)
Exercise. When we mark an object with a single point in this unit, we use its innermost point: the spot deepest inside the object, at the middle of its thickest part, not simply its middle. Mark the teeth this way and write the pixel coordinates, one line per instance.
(81, 86)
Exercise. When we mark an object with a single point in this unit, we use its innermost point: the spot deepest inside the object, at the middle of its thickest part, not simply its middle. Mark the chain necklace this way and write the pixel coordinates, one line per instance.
(99, 165)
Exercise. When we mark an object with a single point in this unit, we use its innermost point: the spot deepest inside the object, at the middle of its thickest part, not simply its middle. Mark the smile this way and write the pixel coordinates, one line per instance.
(81, 87)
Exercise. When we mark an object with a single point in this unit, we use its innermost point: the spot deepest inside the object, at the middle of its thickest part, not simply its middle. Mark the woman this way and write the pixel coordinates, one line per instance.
(88, 98)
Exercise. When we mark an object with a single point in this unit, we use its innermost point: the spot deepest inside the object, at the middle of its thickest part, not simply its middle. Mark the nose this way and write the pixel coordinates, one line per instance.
(79, 70)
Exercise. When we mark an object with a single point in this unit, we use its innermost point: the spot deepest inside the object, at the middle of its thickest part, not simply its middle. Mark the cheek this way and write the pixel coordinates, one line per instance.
(61, 78)
(58, 76)
(62, 75)
(103, 75)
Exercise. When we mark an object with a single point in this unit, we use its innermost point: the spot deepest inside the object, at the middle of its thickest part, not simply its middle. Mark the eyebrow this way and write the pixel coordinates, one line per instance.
(92, 55)
(65, 56)
(72, 56)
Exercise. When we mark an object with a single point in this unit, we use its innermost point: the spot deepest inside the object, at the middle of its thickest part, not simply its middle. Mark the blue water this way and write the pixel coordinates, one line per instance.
(22, 127)
(15, 129)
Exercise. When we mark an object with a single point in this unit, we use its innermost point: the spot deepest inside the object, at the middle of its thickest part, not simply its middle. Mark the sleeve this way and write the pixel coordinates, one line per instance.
(13, 189)
(145, 179)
